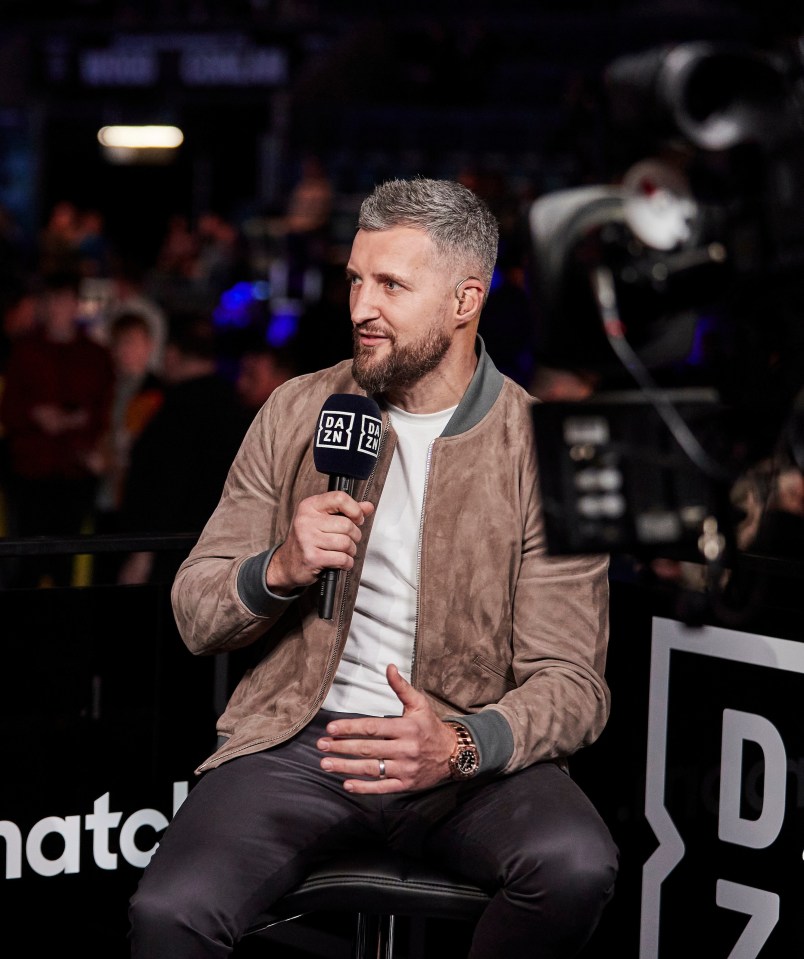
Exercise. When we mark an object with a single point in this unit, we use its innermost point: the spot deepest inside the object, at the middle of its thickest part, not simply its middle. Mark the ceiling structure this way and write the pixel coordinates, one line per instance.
(255, 83)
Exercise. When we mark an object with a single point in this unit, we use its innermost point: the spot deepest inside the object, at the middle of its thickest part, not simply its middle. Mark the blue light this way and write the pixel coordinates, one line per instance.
(244, 305)
(233, 309)
(283, 325)
(236, 306)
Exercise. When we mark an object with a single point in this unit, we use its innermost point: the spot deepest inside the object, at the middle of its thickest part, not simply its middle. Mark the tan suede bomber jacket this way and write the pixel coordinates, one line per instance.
(509, 638)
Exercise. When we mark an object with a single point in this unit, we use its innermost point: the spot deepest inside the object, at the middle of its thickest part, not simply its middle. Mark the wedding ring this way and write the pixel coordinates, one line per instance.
(382, 768)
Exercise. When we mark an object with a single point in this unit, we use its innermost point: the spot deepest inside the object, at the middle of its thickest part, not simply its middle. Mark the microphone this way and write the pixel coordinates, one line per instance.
(347, 442)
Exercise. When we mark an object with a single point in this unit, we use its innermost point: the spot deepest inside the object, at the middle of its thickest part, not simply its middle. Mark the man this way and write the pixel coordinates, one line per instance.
(435, 709)
(138, 396)
(56, 409)
(180, 459)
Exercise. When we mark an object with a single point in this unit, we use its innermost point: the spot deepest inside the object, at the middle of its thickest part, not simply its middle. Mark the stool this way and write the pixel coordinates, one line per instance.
(378, 886)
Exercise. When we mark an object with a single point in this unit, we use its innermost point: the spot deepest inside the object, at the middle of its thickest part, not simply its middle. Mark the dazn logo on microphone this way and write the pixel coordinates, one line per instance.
(336, 432)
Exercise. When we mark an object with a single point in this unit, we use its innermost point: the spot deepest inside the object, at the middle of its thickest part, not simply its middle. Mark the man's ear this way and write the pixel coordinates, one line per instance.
(469, 294)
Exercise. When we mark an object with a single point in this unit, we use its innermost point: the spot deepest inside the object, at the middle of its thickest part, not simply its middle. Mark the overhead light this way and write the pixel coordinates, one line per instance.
(148, 137)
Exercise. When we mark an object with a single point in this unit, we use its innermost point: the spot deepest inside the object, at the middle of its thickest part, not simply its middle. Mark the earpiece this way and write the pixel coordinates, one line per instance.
(462, 295)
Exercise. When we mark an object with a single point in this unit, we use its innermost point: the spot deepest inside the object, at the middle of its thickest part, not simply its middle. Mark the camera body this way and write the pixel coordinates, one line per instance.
(678, 291)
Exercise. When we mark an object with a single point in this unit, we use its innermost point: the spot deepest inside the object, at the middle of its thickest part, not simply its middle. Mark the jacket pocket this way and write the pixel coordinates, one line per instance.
(496, 676)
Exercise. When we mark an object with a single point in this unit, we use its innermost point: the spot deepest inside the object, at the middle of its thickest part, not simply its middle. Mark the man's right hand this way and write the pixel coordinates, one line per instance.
(323, 535)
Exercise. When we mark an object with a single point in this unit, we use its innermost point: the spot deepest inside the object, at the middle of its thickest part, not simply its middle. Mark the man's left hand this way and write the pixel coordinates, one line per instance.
(397, 753)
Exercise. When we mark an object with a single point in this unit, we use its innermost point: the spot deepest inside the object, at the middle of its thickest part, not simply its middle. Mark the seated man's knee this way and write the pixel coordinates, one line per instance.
(573, 873)
(582, 873)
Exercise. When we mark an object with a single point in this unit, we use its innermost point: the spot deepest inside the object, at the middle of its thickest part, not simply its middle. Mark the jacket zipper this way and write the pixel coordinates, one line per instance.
(419, 564)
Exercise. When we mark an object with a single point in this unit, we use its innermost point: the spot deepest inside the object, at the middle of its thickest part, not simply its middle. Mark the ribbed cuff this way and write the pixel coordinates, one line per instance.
(252, 587)
(492, 736)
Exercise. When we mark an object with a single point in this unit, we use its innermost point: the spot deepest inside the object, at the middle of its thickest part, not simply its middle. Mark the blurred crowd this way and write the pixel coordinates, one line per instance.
(126, 385)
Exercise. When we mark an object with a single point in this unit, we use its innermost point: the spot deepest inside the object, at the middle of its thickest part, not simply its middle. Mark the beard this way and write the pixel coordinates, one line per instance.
(403, 366)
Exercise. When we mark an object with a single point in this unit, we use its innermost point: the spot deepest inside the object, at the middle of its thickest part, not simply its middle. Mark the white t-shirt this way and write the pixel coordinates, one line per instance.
(384, 620)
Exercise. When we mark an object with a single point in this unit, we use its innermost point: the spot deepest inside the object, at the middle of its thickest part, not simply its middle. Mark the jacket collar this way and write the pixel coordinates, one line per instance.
(480, 395)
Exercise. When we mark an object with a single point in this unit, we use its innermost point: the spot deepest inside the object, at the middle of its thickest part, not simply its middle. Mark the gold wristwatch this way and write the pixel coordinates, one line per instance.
(464, 761)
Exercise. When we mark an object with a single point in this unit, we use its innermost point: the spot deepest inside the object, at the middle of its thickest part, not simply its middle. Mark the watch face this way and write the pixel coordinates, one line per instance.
(465, 762)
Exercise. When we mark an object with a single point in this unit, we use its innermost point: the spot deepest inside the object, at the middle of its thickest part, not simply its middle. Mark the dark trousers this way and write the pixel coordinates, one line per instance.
(250, 830)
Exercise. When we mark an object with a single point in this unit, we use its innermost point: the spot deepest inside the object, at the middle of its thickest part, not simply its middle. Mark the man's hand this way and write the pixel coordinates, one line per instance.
(50, 419)
(323, 535)
(412, 749)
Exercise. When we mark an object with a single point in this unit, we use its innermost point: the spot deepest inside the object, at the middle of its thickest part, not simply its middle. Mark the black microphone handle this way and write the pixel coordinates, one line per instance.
(329, 578)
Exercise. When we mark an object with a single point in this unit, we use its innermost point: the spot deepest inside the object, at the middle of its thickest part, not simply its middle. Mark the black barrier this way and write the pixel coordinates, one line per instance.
(94, 543)
(105, 715)
(102, 711)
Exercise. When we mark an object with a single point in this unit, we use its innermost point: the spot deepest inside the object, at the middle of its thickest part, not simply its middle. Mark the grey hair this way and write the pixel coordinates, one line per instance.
(462, 228)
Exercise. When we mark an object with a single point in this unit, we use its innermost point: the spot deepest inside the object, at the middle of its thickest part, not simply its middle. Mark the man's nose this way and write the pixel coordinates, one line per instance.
(362, 304)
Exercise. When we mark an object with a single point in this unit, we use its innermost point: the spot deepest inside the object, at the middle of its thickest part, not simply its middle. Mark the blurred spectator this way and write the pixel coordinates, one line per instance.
(769, 501)
(124, 292)
(19, 315)
(306, 224)
(770, 497)
(261, 369)
(138, 394)
(176, 258)
(310, 203)
(56, 408)
(59, 240)
(180, 460)
(221, 259)
(94, 252)
(749, 495)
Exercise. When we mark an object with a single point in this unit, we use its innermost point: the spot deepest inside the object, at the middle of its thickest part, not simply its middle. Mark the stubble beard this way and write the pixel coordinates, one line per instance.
(403, 366)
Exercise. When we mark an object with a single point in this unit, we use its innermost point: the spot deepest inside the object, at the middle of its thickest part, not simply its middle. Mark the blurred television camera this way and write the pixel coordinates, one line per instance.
(675, 297)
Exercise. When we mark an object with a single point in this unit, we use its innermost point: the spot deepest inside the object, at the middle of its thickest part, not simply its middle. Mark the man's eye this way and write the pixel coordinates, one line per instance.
(391, 285)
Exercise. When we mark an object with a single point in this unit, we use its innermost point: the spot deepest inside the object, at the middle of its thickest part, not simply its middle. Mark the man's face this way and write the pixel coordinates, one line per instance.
(132, 350)
(400, 299)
